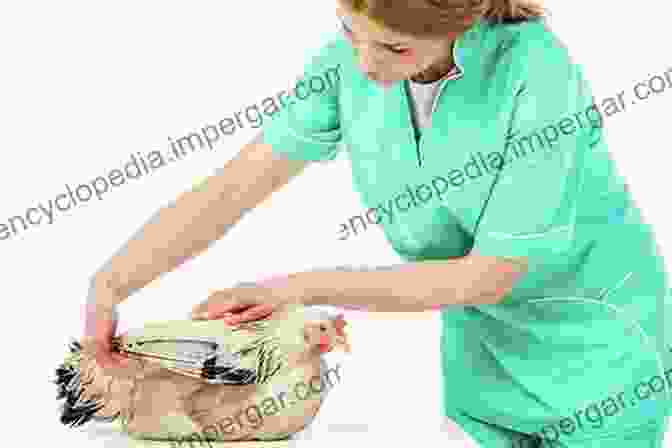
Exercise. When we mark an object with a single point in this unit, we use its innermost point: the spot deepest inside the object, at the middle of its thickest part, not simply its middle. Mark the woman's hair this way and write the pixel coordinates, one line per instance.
(436, 18)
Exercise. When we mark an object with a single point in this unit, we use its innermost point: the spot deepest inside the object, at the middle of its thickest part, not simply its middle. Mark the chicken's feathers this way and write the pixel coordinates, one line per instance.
(71, 383)
(247, 353)
(211, 351)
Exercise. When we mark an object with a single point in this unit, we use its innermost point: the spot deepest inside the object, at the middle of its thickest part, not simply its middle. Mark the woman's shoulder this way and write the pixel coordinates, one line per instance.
(333, 50)
(524, 29)
(334, 57)
(528, 45)
(531, 37)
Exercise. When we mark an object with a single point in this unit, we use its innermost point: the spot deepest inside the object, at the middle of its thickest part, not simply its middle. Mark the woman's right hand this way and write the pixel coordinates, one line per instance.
(100, 327)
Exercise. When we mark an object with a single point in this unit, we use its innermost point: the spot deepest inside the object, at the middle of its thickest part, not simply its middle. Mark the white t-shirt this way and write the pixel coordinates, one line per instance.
(422, 97)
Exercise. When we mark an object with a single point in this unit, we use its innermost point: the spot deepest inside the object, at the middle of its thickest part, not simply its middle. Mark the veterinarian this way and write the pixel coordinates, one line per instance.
(550, 306)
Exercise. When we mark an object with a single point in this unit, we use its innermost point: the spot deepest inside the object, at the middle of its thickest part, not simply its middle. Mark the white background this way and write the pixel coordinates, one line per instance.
(86, 84)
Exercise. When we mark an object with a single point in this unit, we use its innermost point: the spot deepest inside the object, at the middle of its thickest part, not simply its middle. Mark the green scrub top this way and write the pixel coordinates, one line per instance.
(514, 164)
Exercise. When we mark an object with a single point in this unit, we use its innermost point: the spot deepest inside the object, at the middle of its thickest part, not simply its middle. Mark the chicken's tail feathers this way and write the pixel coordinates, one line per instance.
(77, 409)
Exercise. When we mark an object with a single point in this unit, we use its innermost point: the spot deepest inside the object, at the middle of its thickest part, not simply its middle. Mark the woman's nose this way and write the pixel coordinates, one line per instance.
(368, 63)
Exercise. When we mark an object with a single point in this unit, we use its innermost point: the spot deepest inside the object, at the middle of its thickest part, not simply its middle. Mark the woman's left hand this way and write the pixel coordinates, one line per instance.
(243, 303)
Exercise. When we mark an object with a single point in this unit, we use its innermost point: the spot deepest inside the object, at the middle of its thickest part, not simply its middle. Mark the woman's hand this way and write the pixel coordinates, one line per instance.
(244, 303)
(100, 326)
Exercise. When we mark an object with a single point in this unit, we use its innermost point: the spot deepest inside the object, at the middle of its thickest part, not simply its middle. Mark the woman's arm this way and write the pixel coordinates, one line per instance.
(196, 219)
(417, 286)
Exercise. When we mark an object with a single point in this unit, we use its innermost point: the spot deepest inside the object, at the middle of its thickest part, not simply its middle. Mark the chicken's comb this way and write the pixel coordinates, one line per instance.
(340, 323)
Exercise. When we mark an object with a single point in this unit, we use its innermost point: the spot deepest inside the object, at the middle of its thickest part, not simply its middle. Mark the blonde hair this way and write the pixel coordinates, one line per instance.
(436, 18)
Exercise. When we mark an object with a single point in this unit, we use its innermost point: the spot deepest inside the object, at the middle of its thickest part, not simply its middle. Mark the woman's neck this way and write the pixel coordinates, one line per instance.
(437, 70)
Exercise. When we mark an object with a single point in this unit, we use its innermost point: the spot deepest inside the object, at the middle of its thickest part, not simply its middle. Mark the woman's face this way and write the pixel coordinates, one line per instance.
(387, 57)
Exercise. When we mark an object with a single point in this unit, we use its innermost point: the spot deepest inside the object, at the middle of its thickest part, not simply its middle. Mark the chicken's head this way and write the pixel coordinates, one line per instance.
(326, 334)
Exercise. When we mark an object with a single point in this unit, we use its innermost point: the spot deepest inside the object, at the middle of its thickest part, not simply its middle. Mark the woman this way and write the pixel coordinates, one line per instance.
(552, 309)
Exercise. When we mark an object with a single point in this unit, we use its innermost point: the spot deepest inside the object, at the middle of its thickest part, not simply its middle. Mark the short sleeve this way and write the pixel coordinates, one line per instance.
(531, 209)
(306, 126)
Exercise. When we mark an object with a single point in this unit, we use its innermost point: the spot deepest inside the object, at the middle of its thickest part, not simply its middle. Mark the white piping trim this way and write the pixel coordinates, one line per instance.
(606, 291)
(527, 236)
(615, 308)
(456, 73)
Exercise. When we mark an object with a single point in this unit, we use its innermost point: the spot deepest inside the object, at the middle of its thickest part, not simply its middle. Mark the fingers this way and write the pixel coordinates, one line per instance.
(100, 327)
(114, 363)
(218, 305)
(103, 330)
(107, 359)
(254, 313)
(243, 303)
(118, 366)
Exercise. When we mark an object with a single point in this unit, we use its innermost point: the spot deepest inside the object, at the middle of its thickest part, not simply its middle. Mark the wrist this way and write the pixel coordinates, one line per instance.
(289, 286)
(105, 292)
(98, 309)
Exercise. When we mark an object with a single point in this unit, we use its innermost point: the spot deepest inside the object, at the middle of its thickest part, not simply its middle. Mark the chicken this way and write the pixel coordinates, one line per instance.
(197, 379)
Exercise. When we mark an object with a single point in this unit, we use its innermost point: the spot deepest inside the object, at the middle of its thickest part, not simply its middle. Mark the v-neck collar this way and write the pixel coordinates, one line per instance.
(399, 98)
